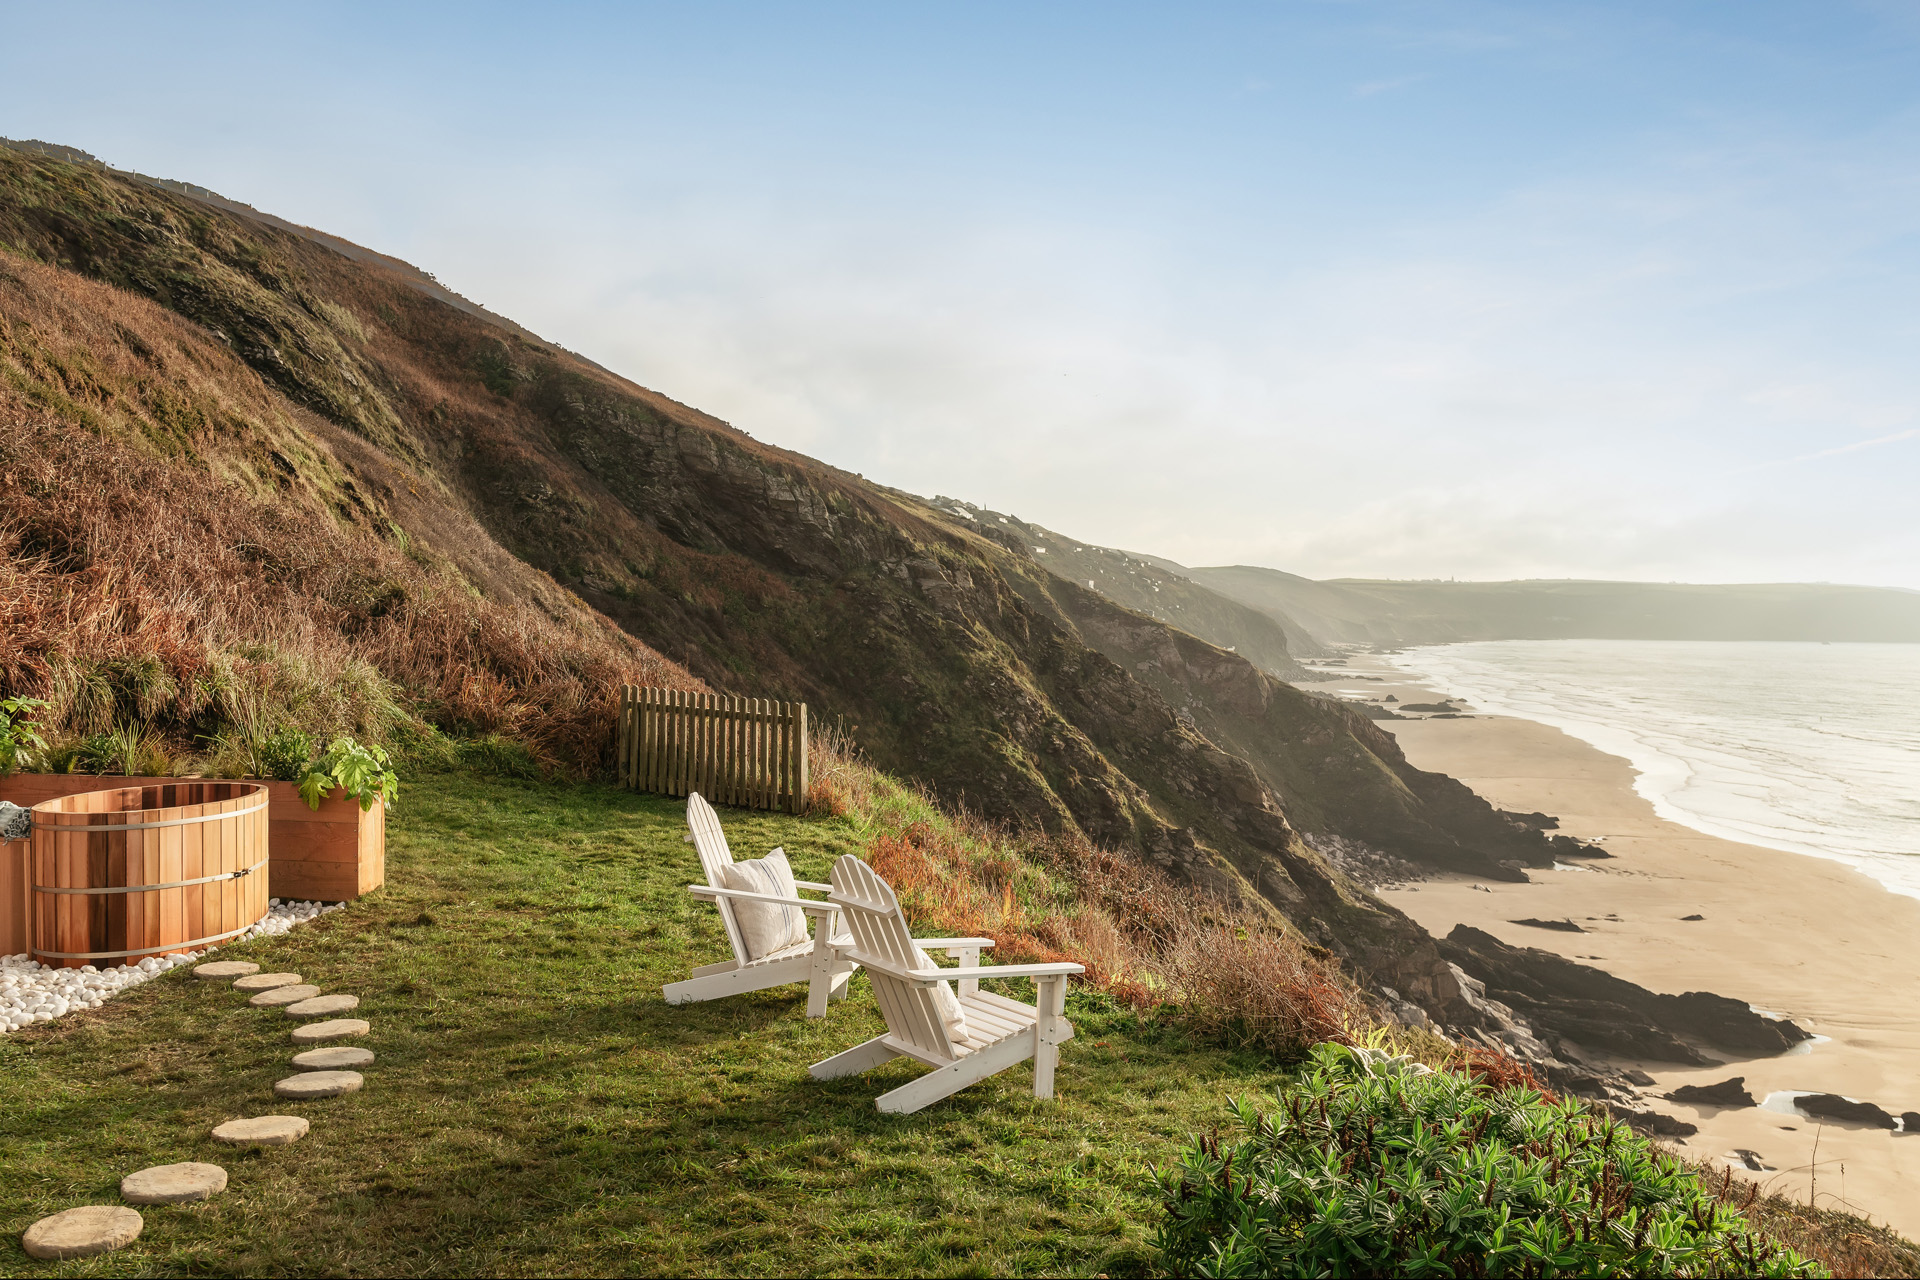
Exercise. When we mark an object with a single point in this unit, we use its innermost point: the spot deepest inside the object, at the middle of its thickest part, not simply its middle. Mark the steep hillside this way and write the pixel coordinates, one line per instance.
(385, 426)
(1146, 584)
(1336, 772)
(192, 568)
(1361, 611)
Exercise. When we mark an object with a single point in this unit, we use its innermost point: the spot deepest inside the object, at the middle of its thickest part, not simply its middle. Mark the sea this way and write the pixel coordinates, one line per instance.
(1807, 747)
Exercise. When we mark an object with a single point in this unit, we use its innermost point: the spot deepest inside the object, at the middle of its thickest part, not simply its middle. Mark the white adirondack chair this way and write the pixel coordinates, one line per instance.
(1000, 1032)
(818, 963)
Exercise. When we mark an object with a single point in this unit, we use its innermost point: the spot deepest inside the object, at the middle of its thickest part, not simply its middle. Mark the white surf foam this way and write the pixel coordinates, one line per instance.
(1810, 748)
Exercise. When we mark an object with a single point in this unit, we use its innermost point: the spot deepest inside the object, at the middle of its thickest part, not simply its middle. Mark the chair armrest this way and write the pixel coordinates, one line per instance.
(1060, 969)
(887, 967)
(813, 885)
(982, 943)
(926, 978)
(811, 908)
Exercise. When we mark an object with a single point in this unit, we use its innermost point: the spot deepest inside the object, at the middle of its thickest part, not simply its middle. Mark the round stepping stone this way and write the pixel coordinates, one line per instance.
(174, 1183)
(284, 996)
(82, 1232)
(221, 969)
(264, 1131)
(340, 1058)
(335, 1029)
(265, 981)
(320, 1084)
(322, 1006)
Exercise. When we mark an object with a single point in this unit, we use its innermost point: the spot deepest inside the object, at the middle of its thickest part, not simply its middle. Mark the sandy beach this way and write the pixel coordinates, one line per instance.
(1788, 933)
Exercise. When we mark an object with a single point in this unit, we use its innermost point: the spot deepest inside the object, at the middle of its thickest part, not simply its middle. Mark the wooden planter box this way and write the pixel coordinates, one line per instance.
(331, 854)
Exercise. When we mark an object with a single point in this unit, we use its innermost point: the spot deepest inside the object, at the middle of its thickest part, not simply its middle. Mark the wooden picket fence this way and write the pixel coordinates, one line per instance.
(750, 752)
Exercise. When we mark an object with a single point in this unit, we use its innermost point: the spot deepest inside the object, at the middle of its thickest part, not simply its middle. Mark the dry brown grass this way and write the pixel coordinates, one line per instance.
(145, 593)
(1845, 1244)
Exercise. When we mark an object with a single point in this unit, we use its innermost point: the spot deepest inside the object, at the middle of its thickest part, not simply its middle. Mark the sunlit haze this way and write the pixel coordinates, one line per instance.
(1384, 289)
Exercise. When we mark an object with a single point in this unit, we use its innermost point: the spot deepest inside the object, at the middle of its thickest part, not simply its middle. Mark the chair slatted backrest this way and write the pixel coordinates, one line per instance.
(879, 928)
(715, 857)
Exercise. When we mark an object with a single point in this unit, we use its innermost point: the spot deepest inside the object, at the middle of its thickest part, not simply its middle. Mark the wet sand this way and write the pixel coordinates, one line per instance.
(1788, 933)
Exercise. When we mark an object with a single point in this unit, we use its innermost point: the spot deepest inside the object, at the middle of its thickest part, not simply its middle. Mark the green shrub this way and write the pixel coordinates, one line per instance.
(1377, 1166)
(363, 772)
(285, 754)
(125, 750)
(19, 736)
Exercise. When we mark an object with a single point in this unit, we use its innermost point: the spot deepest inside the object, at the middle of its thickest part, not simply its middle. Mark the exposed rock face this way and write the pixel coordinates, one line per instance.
(1728, 1093)
(1831, 1106)
(1537, 821)
(1573, 1002)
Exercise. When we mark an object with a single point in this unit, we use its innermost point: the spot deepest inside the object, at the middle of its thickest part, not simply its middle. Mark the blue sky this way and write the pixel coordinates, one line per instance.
(1623, 290)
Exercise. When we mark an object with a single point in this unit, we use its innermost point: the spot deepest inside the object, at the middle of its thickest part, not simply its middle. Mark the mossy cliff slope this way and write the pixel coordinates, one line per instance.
(510, 460)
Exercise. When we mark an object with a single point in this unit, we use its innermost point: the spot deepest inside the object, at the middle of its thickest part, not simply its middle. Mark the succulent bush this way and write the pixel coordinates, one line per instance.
(1374, 1165)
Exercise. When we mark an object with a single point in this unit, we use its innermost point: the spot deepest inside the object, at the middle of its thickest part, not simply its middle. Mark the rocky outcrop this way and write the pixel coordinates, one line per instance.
(1558, 926)
(1564, 1001)
(1831, 1106)
(1728, 1093)
(1653, 1124)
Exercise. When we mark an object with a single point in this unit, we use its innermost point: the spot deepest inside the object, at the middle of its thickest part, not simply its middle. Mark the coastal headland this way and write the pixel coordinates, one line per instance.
(1676, 910)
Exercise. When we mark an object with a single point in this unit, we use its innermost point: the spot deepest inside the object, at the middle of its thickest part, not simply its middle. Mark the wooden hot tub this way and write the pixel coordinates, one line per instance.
(123, 874)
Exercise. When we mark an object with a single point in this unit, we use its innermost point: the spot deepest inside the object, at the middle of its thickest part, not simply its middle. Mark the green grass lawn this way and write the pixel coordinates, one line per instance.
(536, 1108)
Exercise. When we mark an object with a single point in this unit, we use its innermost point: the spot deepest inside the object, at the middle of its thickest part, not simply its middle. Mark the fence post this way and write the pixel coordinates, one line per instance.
(620, 732)
(801, 779)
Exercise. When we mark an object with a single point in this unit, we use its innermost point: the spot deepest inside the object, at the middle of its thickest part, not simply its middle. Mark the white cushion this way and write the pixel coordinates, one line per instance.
(766, 927)
(944, 1000)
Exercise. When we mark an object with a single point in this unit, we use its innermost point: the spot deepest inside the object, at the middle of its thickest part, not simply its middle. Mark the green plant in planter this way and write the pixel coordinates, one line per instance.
(1375, 1165)
(19, 735)
(285, 755)
(363, 772)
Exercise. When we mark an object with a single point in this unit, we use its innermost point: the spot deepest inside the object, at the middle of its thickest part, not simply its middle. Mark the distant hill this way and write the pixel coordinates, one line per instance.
(1378, 612)
(1158, 588)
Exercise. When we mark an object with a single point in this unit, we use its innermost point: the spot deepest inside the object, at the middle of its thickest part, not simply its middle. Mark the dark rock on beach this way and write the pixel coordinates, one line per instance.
(1910, 1121)
(1728, 1093)
(1653, 1124)
(1564, 926)
(1726, 1024)
(1561, 999)
(1538, 821)
(1831, 1106)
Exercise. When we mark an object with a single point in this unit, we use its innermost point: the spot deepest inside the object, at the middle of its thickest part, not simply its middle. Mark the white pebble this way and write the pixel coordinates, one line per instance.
(31, 992)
